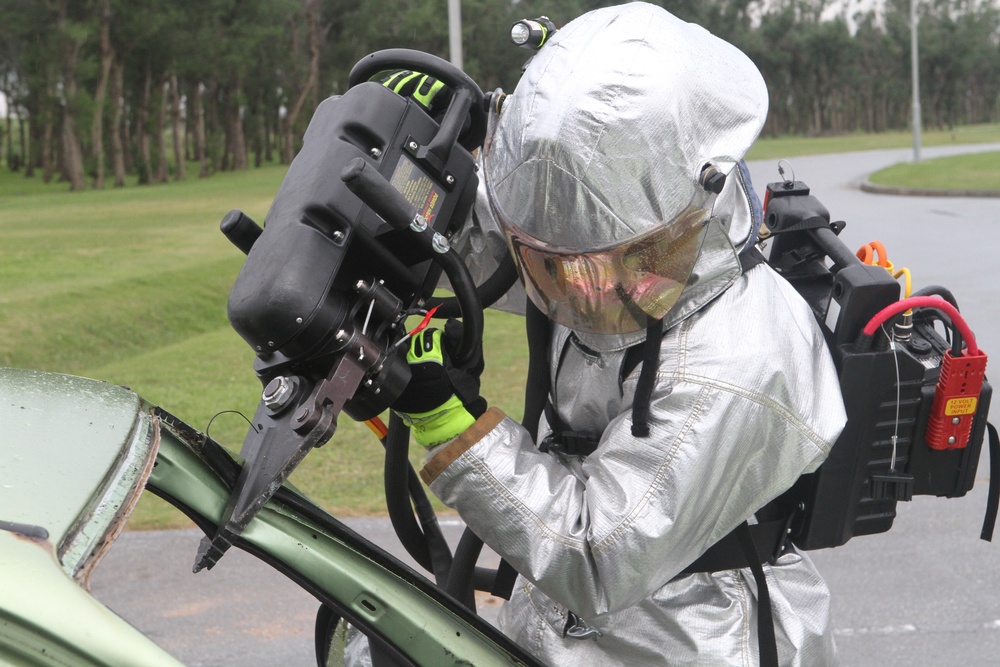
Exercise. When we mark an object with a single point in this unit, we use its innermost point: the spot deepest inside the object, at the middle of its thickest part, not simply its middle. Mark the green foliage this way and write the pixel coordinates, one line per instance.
(253, 59)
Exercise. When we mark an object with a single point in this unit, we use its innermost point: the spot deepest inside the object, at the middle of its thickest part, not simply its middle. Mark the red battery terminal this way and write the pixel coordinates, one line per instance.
(956, 396)
(956, 399)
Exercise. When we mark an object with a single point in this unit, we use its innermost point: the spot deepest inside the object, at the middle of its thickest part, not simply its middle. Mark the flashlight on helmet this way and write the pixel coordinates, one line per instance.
(532, 33)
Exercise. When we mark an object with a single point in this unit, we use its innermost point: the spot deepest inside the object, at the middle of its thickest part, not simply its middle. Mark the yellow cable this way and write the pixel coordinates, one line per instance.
(874, 253)
(909, 280)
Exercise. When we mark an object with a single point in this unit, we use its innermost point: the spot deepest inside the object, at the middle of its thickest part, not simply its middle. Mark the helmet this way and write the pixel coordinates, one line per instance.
(595, 166)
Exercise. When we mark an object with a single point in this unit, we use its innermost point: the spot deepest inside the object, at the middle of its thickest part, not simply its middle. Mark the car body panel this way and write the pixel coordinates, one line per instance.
(74, 458)
(76, 453)
(46, 618)
(80, 452)
(364, 584)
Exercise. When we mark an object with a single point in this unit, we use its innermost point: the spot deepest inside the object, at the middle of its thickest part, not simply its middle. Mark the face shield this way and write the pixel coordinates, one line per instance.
(616, 289)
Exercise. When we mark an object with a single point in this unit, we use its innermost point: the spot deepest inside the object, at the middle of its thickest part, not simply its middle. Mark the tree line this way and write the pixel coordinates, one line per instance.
(101, 90)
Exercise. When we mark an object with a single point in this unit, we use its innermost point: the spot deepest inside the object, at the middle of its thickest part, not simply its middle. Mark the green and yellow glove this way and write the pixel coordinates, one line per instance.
(430, 93)
(442, 399)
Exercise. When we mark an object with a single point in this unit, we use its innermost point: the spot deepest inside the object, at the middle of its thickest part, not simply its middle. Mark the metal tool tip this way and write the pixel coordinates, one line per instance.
(209, 553)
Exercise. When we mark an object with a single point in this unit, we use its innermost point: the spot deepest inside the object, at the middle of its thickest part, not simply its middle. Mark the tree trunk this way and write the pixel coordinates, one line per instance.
(97, 124)
(237, 137)
(129, 122)
(12, 162)
(175, 118)
(258, 140)
(25, 147)
(32, 155)
(212, 129)
(317, 35)
(162, 170)
(72, 152)
(118, 100)
(197, 108)
(266, 118)
(188, 126)
(47, 163)
(142, 122)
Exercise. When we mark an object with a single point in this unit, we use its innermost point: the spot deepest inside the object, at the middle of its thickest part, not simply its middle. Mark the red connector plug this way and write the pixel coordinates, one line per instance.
(956, 399)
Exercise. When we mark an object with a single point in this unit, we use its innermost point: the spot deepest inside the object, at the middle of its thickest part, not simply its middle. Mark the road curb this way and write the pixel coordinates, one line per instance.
(875, 188)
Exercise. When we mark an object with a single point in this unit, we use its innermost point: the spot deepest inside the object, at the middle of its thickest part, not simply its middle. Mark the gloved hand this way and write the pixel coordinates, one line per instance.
(430, 93)
(442, 399)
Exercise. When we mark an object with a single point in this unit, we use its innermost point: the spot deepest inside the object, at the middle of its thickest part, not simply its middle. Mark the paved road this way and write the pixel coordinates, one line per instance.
(926, 593)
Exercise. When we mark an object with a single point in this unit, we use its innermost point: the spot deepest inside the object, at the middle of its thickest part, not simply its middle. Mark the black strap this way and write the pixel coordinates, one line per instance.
(503, 585)
(728, 553)
(537, 385)
(993, 498)
(536, 397)
(751, 257)
(647, 378)
(766, 642)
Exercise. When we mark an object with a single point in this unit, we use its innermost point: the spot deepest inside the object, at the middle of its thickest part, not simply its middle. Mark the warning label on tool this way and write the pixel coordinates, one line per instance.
(960, 406)
(418, 189)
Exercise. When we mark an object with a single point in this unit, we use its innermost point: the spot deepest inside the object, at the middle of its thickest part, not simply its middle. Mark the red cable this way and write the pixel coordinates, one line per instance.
(925, 302)
(423, 323)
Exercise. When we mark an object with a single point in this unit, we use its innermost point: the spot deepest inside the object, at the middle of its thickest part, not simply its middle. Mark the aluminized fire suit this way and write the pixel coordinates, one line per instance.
(745, 398)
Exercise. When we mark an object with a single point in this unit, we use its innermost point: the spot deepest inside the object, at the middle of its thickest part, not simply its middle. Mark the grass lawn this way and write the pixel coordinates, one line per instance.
(130, 286)
(978, 171)
(780, 147)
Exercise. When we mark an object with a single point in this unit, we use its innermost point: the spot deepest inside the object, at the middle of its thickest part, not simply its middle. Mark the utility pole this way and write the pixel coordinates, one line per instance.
(915, 68)
(455, 32)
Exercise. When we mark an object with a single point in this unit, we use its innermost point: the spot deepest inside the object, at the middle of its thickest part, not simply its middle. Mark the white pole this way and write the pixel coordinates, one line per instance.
(455, 32)
(915, 68)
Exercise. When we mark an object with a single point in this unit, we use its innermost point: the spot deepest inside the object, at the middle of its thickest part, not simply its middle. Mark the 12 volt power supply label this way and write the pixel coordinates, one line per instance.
(418, 189)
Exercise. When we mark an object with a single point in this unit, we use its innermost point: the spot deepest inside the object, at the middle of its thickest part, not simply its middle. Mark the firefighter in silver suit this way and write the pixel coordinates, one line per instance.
(602, 175)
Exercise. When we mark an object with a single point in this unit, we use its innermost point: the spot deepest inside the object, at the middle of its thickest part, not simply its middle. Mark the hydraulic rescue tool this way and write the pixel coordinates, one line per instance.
(354, 242)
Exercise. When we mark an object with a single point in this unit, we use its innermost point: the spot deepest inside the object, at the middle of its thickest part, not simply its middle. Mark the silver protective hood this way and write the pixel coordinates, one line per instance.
(604, 137)
(612, 122)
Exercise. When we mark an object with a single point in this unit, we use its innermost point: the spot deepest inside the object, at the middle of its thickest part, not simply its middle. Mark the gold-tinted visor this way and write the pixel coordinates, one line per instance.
(615, 290)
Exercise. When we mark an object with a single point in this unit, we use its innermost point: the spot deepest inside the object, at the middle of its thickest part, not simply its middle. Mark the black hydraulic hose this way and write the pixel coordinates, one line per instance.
(437, 545)
(462, 569)
(946, 294)
(471, 307)
(376, 192)
(397, 498)
(489, 292)
(937, 290)
(465, 577)
(425, 542)
(425, 538)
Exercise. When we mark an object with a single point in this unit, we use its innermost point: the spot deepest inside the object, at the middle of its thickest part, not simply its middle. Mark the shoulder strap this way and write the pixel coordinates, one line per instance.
(537, 385)
(767, 645)
(993, 497)
(750, 258)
